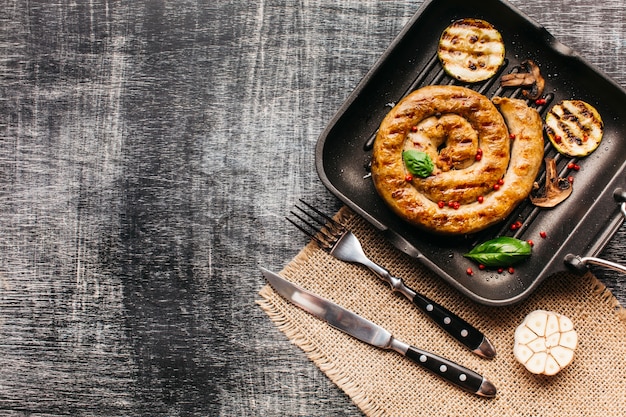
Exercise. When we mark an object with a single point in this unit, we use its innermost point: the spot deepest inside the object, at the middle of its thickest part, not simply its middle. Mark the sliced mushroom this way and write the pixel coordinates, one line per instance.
(556, 190)
(530, 78)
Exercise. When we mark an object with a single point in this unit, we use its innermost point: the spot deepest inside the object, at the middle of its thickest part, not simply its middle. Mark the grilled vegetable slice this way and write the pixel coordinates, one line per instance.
(471, 50)
(574, 127)
(545, 342)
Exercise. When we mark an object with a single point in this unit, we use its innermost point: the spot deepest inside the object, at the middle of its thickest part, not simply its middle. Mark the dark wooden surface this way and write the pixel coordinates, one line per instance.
(148, 153)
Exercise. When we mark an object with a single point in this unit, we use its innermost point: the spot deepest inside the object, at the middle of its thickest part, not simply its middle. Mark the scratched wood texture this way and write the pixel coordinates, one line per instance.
(148, 153)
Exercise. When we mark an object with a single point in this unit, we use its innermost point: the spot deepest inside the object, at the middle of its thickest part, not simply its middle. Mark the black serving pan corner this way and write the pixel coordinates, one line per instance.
(580, 226)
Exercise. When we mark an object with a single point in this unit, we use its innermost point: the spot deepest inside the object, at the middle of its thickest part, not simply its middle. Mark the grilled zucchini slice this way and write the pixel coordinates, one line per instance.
(574, 127)
(471, 50)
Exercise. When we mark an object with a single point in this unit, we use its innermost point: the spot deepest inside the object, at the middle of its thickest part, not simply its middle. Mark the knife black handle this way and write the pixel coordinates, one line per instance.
(452, 372)
(458, 328)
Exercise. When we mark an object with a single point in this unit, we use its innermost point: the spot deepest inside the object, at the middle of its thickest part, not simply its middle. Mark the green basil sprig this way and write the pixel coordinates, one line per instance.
(501, 251)
(418, 163)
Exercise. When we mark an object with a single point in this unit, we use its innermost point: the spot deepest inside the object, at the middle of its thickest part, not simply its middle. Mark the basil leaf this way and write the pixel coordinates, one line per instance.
(418, 163)
(501, 251)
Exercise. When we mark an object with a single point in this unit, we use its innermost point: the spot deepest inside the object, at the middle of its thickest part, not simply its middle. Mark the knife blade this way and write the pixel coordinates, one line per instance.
(375, 335)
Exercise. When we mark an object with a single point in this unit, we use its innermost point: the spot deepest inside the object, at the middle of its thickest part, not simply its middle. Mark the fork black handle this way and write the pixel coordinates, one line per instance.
(465, 333)
(458, 328)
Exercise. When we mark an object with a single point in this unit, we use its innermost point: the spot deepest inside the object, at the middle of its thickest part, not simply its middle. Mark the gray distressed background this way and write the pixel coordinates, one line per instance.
(148, 153)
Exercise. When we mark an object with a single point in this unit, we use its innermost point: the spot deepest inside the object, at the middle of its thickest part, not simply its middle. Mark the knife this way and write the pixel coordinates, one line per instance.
(375, 335)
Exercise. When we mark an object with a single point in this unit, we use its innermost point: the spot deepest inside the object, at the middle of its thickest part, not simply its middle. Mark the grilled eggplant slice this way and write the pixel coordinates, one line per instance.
(471, 50)
(574, 127)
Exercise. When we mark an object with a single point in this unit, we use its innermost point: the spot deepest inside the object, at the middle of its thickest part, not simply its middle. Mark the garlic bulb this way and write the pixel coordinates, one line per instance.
(545, 342)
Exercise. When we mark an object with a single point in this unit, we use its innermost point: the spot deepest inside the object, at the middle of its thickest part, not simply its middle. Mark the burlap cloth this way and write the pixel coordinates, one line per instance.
(384, 383)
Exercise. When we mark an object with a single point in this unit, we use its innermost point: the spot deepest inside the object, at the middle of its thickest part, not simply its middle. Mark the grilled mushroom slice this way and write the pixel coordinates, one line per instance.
(557, 189)
(471, 50)
(574, 127)
(530, 78)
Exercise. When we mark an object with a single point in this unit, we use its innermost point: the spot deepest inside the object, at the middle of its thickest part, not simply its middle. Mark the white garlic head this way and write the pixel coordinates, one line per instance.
(545, 342)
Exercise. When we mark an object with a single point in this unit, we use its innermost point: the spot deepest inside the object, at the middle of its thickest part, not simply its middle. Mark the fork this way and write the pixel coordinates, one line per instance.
(334, 238)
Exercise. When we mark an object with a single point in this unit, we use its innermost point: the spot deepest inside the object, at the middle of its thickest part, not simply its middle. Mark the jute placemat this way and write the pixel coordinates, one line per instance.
(384, 383)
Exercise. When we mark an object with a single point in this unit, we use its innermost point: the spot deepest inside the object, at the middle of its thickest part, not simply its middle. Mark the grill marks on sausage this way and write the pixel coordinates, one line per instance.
(477, 203)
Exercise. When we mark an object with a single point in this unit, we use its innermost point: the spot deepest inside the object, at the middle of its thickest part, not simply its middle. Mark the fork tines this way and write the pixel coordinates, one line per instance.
(326, 231)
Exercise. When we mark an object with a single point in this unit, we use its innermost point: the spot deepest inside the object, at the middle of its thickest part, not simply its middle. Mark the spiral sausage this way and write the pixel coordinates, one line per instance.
(480, 174)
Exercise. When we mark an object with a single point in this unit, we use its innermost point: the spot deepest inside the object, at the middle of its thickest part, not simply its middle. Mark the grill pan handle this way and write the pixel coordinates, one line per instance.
(581, 263)
(620, 197)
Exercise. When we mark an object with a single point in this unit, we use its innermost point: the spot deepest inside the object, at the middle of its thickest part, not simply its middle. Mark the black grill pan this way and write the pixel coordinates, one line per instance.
(576, 229)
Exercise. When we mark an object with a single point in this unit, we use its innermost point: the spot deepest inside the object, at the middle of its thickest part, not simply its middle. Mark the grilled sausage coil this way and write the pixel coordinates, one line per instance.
(481, 174)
